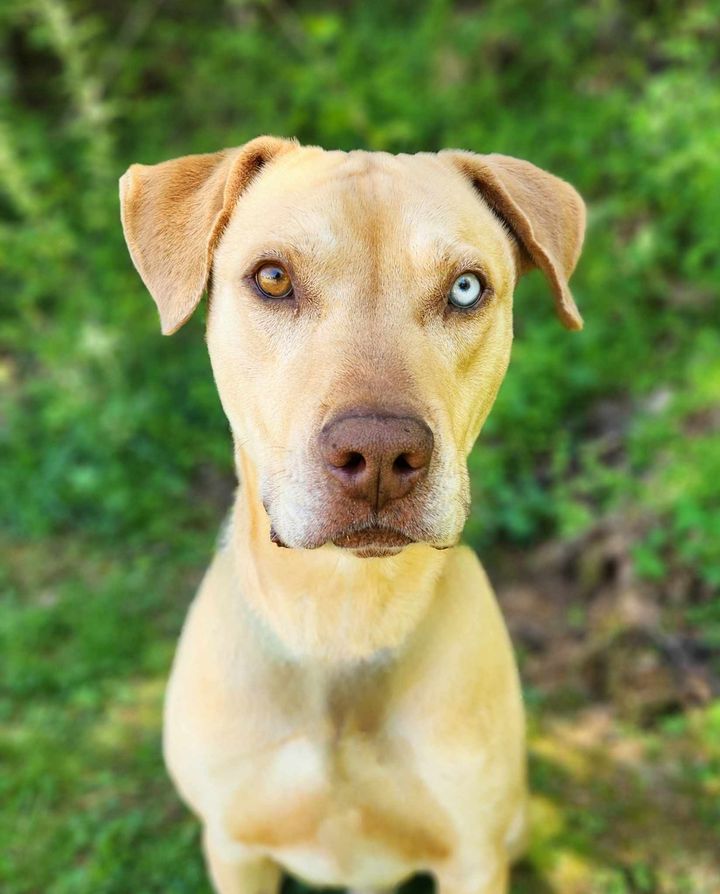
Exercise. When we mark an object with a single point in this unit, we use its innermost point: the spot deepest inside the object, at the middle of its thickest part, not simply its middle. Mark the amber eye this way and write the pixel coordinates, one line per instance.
(274, 281)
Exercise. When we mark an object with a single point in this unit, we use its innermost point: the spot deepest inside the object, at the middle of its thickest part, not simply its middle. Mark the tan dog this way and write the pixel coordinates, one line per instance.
(344, 702)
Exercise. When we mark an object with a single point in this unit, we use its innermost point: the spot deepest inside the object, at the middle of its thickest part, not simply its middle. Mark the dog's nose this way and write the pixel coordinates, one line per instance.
(376, 457)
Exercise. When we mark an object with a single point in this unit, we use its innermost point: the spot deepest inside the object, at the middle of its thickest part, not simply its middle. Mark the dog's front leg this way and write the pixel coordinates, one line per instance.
(254, 875)
(486, 871)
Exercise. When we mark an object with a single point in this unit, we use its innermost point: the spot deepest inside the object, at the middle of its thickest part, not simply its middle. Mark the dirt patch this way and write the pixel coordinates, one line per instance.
(588, 629)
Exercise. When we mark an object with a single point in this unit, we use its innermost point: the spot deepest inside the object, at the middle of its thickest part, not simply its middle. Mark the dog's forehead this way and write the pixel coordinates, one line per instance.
(418, 197)
(367, 210)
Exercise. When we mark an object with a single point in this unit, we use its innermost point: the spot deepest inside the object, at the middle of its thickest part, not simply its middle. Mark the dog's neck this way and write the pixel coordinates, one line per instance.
(326, 603)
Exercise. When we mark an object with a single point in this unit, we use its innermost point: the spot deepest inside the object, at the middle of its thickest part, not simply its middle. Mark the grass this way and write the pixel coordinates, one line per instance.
(87, 806)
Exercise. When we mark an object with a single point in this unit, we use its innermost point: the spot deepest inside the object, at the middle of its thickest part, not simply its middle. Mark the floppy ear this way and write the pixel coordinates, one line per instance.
(173, 216)
(544, 212)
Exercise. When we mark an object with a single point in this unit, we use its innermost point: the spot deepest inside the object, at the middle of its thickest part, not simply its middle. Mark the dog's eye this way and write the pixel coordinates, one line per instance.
(466, 291)
(274, 281)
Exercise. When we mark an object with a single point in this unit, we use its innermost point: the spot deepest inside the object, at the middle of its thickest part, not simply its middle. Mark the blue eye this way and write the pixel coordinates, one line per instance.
(466, 291)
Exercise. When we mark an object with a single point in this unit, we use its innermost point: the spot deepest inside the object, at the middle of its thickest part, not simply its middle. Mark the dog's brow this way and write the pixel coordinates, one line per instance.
(314, 245)
(443, 254)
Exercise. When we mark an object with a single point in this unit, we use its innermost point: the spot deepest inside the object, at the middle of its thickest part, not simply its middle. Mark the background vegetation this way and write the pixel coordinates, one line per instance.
(597, 480)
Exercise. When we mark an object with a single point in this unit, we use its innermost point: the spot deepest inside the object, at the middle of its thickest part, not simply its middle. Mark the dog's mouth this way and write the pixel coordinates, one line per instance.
(372, 541)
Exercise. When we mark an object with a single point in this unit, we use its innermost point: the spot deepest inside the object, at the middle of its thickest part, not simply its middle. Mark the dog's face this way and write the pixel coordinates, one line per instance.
(360, 319)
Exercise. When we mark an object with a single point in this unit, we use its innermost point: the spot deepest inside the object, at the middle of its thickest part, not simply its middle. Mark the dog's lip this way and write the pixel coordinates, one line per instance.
(363, 538)
(370, 540)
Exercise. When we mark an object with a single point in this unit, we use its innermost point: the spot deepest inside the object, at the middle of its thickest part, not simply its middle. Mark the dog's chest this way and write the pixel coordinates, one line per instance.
(339, 803)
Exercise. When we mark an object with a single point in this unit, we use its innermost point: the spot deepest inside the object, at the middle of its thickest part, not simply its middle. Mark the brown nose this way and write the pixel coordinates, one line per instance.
(376, 457)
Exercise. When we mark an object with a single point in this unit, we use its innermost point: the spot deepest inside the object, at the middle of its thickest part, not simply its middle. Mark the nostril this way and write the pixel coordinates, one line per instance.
(406, 463)
(354, 463)
(402, 465)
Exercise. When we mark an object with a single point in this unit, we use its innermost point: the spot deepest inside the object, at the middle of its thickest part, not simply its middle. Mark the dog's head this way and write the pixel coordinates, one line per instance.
(360, 317)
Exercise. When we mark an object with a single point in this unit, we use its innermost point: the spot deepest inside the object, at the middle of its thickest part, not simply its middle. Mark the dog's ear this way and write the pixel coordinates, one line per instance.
(173, 216)
(544, 212)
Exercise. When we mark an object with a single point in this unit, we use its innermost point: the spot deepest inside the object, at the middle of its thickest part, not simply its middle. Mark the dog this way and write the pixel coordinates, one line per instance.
(344, 704)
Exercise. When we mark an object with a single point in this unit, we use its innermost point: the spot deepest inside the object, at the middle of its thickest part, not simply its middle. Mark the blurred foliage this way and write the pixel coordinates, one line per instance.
(113, 437)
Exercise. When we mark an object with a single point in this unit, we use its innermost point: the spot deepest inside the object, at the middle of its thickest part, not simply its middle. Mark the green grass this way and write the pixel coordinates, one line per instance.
(86, 804)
